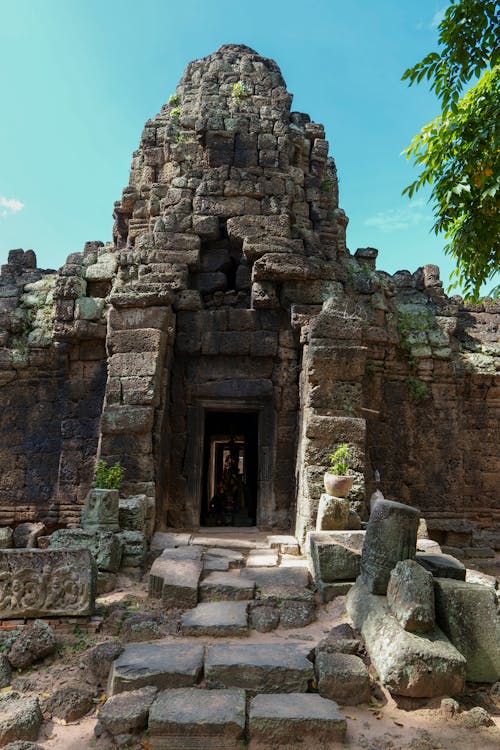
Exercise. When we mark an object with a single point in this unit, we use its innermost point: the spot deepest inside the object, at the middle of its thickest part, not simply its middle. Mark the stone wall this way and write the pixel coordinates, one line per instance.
(228, 286)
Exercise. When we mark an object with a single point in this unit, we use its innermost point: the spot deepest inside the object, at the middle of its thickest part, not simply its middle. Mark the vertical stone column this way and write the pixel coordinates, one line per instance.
(139, 345)
(332, 369)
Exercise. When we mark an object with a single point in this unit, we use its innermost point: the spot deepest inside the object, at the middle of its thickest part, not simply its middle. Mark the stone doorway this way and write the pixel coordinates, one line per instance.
(230, 471)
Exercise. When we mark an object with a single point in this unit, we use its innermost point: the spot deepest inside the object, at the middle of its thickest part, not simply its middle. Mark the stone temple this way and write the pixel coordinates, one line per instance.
(228, 311)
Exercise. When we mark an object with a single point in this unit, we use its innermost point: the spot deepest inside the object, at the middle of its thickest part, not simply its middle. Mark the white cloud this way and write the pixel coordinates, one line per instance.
(10, 206)
(437, 18)
(399, 219)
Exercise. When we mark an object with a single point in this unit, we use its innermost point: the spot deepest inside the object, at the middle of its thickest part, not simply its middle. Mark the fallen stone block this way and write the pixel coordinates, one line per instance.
(468, 614)
(429, 546)
(134, 549)
(189, 718)
(127, 712)
(37, 583)
(477, 576)
(391, 535)
(100, 658)
(415, 665)
(341, 639)
(226, 587)
(162, 540)
(161, 664)
(26, 534)
(174, 577)
(441, 566)
(106, 582)
(289, 720)
(5, 671)
(20, 718)
(260, 667)
(105, 546)
(263, 618)
(216, 619)
(343, 678)
(35, 641)
(69, 703)
(410, 595)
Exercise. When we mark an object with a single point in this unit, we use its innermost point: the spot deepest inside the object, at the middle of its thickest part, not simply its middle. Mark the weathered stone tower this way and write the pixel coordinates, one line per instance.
(228, 308)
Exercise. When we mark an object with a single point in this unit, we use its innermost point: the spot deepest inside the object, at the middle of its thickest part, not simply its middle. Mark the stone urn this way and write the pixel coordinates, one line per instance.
(338, 485)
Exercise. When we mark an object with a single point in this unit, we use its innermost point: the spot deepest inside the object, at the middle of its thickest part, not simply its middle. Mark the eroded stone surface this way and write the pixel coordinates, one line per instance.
(287, 720)
(442, 566)
(100, 512)
(391, 535)
(410, 595)
(127, 712)
(46, 582)
(226, 587)
(267, 668)
(468, 614)
(162, 664)
(219, 619)
(417, 665)
(342, 677)
(105, 546)
(20, 718)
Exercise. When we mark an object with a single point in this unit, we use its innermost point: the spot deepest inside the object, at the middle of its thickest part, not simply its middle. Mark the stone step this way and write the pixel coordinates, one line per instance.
(162, 664)
(216, 619)
(226, 587)
(262, 558)
(174, 577)
(286, 544)
(290, 720)
(193, 718)
(259, 667)
(288, 576)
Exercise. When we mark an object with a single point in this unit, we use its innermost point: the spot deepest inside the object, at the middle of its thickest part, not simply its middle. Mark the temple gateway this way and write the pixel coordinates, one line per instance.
(228, 325)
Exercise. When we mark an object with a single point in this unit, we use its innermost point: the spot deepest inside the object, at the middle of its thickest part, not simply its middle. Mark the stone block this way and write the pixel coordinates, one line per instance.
(264, 617)
(36, 641)
(226, 587)
(216, 619)
(294, 719)
(6, 538)
(410, 595)
(26, 534)
(259, 667)
(468, 614)
(281, 576)
(134, 548)
(100, 512)
(175, 576)
(342, 677)
(441, 566)
(341, 639)
(36, 583)
(334, 556)
(127, 712)
(193, 718)
(163, 664)
(162, 540)
(296, 606)
(106, 548)
(132, 512)
(20, 719)
(126, 418)
(329, 591)
(422, 665)
(391, 535)
(333, 513)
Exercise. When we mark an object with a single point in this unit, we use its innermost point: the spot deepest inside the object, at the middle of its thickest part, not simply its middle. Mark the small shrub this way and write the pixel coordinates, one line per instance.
(173, 100)
(175, 112)
(418, 389)
(109, 479)
(340, 460)
(240, 91)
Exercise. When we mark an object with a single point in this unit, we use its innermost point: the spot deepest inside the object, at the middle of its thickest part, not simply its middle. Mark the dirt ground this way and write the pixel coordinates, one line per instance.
(383, 724)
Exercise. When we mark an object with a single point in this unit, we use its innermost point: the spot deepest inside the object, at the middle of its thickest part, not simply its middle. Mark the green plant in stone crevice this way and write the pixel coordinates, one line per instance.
(173, 100)
(417, 388)
(240, 91)
(109, 478)
(340, 460)
(175, 112)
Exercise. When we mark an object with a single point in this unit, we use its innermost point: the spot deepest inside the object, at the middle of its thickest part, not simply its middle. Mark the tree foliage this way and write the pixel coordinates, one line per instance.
(459, 151)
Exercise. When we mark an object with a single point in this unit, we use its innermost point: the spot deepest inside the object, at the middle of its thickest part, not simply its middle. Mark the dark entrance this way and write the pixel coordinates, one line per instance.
(230, 458)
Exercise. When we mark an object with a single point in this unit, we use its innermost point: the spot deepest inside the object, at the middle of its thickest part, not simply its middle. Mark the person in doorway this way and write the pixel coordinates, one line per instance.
(231, 488)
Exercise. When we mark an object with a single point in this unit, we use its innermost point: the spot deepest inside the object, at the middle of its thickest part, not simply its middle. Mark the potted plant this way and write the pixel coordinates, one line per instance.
(338, 481)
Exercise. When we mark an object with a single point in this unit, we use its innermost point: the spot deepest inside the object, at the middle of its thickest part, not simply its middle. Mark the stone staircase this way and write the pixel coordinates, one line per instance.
(215, 685)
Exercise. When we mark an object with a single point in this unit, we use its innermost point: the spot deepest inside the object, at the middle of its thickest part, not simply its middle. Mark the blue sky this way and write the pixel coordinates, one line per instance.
(80, 77)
